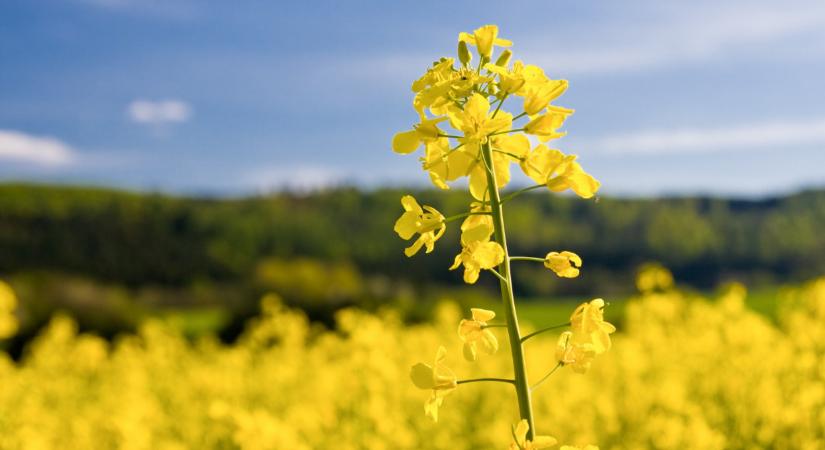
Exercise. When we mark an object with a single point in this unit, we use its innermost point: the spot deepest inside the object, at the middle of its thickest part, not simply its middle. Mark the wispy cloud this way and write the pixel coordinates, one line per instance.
(159, 112)
(39, 150)
(677, 38)
(299, 178)
(732, 138)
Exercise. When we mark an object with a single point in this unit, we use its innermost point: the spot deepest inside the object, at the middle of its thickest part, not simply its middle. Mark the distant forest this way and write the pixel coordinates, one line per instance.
(338, 247)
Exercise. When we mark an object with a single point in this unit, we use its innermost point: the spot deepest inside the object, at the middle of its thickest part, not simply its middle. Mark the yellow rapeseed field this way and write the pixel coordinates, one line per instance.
(684, 373)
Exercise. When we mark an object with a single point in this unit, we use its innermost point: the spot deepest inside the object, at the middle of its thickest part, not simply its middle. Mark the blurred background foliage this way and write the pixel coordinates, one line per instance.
(113, 258)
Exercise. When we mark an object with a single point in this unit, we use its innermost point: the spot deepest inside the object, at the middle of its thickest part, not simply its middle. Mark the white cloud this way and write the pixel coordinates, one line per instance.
(159, 112)
(299, 178)
(45, 151)
(690, 140)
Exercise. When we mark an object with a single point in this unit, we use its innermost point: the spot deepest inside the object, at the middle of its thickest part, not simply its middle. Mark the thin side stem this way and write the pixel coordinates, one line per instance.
(516, 350)
(521, 191)
(463, 215)
(527, 258)
(546, 376)
(537, 332)
(477, 380)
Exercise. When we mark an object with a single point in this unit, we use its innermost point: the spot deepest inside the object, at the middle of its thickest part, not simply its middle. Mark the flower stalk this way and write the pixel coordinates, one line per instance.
(525, 404)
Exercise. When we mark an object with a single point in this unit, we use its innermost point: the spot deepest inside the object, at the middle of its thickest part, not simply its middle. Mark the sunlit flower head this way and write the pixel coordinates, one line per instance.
(578, 356)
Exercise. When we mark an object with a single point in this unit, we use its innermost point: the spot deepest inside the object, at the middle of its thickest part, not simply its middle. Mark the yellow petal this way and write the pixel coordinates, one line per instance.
(482, 315)
(422, 376)
(544, 442)
(488, 255)
(406, 142)
(469, 351)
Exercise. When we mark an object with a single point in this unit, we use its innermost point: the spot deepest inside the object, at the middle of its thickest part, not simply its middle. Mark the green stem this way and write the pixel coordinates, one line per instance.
(476, 380)
(554, 327)
(527, 258)
(521, 191)
(516, 130)
(463, 215)
(517, 351)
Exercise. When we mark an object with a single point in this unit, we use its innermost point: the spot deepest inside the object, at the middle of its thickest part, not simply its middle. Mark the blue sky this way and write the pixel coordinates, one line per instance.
(237, 97)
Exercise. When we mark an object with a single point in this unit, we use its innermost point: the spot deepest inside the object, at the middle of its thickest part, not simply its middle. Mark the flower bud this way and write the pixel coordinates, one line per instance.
(504, 58)
(464, 54)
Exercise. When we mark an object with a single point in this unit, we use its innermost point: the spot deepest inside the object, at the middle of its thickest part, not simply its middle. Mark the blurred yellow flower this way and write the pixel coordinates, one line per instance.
(521, 442)
(8, 302)
(484, 38)
(477, 252)
(473, 333)
(653, 277)
(430, 225)
(578, 356)
(438, 378)
(576, 447)
(588, 325)
(565, 264)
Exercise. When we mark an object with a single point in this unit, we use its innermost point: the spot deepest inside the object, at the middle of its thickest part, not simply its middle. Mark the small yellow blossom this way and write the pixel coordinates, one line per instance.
(438, 378)
(484, 38)
(445, 164)
(430, 225)
(477, 252)
(474, 333)
(565, 264)
(558, 171)
(509, 81)
(545, 126)
(539, 97)
(578, 356)
(521, 442)
(588, 325)
(408, 141)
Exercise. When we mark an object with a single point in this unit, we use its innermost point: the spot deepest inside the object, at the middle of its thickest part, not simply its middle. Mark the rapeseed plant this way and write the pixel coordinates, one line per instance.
(481, 145)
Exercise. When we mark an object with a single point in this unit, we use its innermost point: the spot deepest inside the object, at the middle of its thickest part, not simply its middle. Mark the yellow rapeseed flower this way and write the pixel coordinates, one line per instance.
(477, 252)
(588, 325)
(474, 333)
(578, 356)
(476, 121)
(408, 141)
(558, 171)
(521, 442)
(445, 164)
(438, 378)
(539, 97)
(484, 38)
(565, 264)
(546, 126)
(430, 225)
